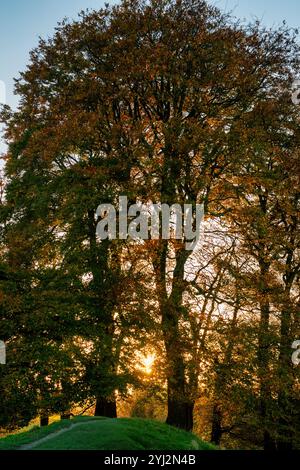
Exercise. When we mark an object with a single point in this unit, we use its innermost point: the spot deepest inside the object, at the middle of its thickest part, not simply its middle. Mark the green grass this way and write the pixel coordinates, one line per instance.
(34, 433)
(109, 434)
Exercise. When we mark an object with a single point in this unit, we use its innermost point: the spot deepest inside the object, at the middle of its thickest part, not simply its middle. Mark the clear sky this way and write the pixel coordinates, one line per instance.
(23, 21)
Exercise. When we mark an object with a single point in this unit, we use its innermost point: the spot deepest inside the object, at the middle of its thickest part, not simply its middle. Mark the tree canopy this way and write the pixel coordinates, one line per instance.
(168, 102)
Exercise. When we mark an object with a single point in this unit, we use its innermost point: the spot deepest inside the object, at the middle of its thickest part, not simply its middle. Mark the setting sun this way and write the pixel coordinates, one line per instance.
(148, 362)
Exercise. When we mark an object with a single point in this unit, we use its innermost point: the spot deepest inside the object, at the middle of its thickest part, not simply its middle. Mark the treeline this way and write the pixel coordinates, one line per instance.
(166, 102)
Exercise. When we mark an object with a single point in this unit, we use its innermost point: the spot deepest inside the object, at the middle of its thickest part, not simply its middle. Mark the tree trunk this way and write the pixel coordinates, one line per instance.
(216, 431)
(285, 373)
(105, 407)
(104, 307)
(180, 405)
(44, 421)
(180, 413)
(263, 358)
(223, 372)
(264, 377)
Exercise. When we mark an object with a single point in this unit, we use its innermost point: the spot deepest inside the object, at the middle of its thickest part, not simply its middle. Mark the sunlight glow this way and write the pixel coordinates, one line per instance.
(148, 362)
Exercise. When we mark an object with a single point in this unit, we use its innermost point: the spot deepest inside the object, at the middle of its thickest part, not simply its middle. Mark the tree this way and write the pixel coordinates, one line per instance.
(163, 101)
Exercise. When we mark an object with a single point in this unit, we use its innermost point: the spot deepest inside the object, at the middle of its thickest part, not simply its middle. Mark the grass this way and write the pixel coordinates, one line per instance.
(35, 432)
(108, 434)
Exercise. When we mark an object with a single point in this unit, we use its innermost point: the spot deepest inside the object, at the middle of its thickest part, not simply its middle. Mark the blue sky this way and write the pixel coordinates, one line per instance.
(271, 12)
(23, 21)
(21, 24)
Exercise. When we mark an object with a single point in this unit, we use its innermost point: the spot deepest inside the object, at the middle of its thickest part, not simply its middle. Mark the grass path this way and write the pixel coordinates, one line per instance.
(96, 433)
(54, 434)
(34, 433)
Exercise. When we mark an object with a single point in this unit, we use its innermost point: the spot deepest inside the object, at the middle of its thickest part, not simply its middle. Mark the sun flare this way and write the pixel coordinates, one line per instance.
(148, 362)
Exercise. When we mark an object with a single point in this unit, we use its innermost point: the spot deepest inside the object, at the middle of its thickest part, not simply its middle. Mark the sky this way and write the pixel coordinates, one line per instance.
(23, 21)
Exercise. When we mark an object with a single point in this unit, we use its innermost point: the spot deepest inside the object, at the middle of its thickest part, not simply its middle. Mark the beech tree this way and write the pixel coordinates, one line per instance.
(165, 101)
(267, 217)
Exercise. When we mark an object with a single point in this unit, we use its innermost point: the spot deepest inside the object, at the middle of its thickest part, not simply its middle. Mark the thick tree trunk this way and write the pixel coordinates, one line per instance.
(44, 420)
(223, 374)
(216, 430)
(105, 407)
(180, 405)
(285, 373)
(264, 377)
(180, 413)
(104, 306)
(287, 413)
(263, 358)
